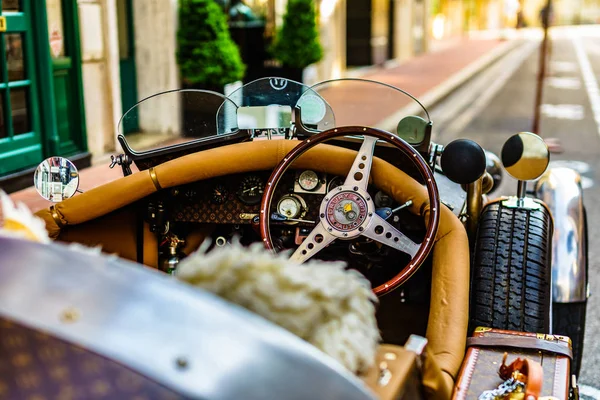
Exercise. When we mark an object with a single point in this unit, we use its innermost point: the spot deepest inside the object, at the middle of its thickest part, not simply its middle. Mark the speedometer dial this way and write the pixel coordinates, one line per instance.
(251, 190)
(308, 180)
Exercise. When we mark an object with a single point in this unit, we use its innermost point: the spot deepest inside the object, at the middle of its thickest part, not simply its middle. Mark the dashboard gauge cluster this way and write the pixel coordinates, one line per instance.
(308, 181)
(292, 206)
(219, 194)
(251, 189)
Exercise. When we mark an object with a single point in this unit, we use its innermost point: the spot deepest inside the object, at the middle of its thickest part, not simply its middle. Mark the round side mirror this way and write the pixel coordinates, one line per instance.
(525, 156)
(56, 179)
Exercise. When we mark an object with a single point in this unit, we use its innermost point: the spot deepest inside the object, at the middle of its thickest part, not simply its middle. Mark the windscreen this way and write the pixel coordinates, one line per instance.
(176, 117)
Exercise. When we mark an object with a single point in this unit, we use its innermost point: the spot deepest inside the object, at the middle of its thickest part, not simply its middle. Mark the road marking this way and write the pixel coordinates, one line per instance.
(589, 79)
(563, 66)
(563, 111)
(564, 83)
(589, 391)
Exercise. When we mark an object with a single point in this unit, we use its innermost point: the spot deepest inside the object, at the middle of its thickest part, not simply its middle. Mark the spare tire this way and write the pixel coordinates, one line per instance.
(511, 270)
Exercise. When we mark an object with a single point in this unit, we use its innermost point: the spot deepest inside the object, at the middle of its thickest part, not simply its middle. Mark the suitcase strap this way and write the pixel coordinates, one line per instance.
(522, 342)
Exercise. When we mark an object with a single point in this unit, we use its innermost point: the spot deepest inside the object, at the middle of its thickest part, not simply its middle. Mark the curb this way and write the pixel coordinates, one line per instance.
(444, 89)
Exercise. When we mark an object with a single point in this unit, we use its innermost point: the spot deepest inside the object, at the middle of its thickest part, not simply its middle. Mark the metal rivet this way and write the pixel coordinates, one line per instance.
(355, 188)
(335, 130)
(370, 214)
(181, 362)
(364, 129)
(339, 188)
(434, 209)
(307, 140)
(361, 229)
(345, 234)
(322, 215)
(329, 229)
(69, 315)
(368, 198)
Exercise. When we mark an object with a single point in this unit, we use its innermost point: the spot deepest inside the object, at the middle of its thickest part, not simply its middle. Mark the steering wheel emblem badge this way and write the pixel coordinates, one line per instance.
(346, 210)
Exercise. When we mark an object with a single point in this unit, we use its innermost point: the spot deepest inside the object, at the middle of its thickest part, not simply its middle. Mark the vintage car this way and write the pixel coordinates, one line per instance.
(310, 173)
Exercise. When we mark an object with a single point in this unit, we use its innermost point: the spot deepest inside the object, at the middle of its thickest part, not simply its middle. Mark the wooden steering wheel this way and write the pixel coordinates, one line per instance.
(348, 211)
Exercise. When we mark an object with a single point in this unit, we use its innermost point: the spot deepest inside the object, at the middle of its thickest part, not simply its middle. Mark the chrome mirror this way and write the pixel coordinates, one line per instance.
(56, 179)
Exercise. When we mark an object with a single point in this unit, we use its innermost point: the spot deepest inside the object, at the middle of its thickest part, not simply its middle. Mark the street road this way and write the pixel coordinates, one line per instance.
(502, 104)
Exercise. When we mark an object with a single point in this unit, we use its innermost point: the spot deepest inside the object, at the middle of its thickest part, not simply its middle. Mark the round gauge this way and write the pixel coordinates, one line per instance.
(383, 200)
(289, 206)
(335, 182)
(308, 180)
(251, 189)
(219, 194)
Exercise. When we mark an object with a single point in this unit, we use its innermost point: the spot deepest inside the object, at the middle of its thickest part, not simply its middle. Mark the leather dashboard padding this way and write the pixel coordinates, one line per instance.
(448, 317)
(402, 373)
(480, 367)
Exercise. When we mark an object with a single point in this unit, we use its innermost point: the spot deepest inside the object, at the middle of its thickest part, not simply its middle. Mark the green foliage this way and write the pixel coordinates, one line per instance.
(206, 53)
(296, 44)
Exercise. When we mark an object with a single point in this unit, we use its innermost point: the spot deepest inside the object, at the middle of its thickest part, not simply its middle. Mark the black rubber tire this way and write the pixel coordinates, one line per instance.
(511, 274)
(568, 319)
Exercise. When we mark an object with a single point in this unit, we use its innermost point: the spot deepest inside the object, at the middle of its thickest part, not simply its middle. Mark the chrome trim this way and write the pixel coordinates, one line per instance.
(187, 339)
(560, 188)
(525, 203)
(474, 205)
(154, 178)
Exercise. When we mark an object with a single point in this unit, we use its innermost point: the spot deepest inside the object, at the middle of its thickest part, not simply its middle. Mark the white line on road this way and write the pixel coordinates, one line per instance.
(589, 79)
(589, 391)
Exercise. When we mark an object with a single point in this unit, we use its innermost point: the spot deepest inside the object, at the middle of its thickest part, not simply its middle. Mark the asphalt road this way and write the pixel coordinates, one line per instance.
(500, 103)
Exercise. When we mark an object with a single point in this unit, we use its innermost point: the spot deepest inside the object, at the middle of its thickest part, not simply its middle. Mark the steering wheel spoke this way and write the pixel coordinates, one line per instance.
(316, 241)
(383, 232)
(361, 168)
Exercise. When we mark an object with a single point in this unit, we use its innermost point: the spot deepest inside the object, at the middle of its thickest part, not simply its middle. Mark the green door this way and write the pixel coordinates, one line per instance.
(127, 60)
(69, 136)
(20, 141)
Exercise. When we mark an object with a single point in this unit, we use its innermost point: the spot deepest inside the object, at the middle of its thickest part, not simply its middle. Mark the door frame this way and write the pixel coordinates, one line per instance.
(46, 78)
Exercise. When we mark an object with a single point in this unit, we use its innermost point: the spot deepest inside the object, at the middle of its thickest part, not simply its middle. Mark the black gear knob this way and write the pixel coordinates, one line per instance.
(463, 161)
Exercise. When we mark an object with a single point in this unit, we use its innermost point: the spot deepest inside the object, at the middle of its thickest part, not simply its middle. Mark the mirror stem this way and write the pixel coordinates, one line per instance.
(521, 192)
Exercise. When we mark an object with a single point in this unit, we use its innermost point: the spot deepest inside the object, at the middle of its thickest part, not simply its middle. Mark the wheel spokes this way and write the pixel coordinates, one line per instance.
(316, 241)
(361, 168)
(383, 232)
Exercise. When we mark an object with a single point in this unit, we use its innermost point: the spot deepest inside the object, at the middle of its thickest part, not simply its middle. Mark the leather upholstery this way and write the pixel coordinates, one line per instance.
(448, 318)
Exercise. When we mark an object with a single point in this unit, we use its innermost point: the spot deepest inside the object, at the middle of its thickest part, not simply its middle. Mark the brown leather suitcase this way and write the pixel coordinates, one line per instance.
(485, 350)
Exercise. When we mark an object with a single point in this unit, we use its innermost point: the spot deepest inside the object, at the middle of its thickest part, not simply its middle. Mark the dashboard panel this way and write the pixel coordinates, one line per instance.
(235, 199)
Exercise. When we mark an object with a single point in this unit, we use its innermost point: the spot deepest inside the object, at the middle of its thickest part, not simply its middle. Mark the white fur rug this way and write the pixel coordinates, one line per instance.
(323, 303)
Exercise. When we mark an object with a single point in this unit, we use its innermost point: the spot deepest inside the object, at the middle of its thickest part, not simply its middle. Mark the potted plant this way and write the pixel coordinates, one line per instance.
(207, 56)
(208, 59)
(296, 44)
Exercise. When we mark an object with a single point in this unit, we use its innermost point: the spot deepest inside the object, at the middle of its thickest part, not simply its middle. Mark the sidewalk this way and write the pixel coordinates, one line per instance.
(429, 77)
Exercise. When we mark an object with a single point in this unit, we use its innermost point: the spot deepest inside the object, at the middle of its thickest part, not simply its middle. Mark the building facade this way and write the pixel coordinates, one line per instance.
(41, 91)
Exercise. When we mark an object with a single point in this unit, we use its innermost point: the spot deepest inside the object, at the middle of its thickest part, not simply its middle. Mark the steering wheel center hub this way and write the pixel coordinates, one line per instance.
(346, 211)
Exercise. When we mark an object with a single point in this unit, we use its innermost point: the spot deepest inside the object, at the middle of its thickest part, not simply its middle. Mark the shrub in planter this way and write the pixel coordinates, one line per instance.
(208, 59)
(296, 43)
(207, 56)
